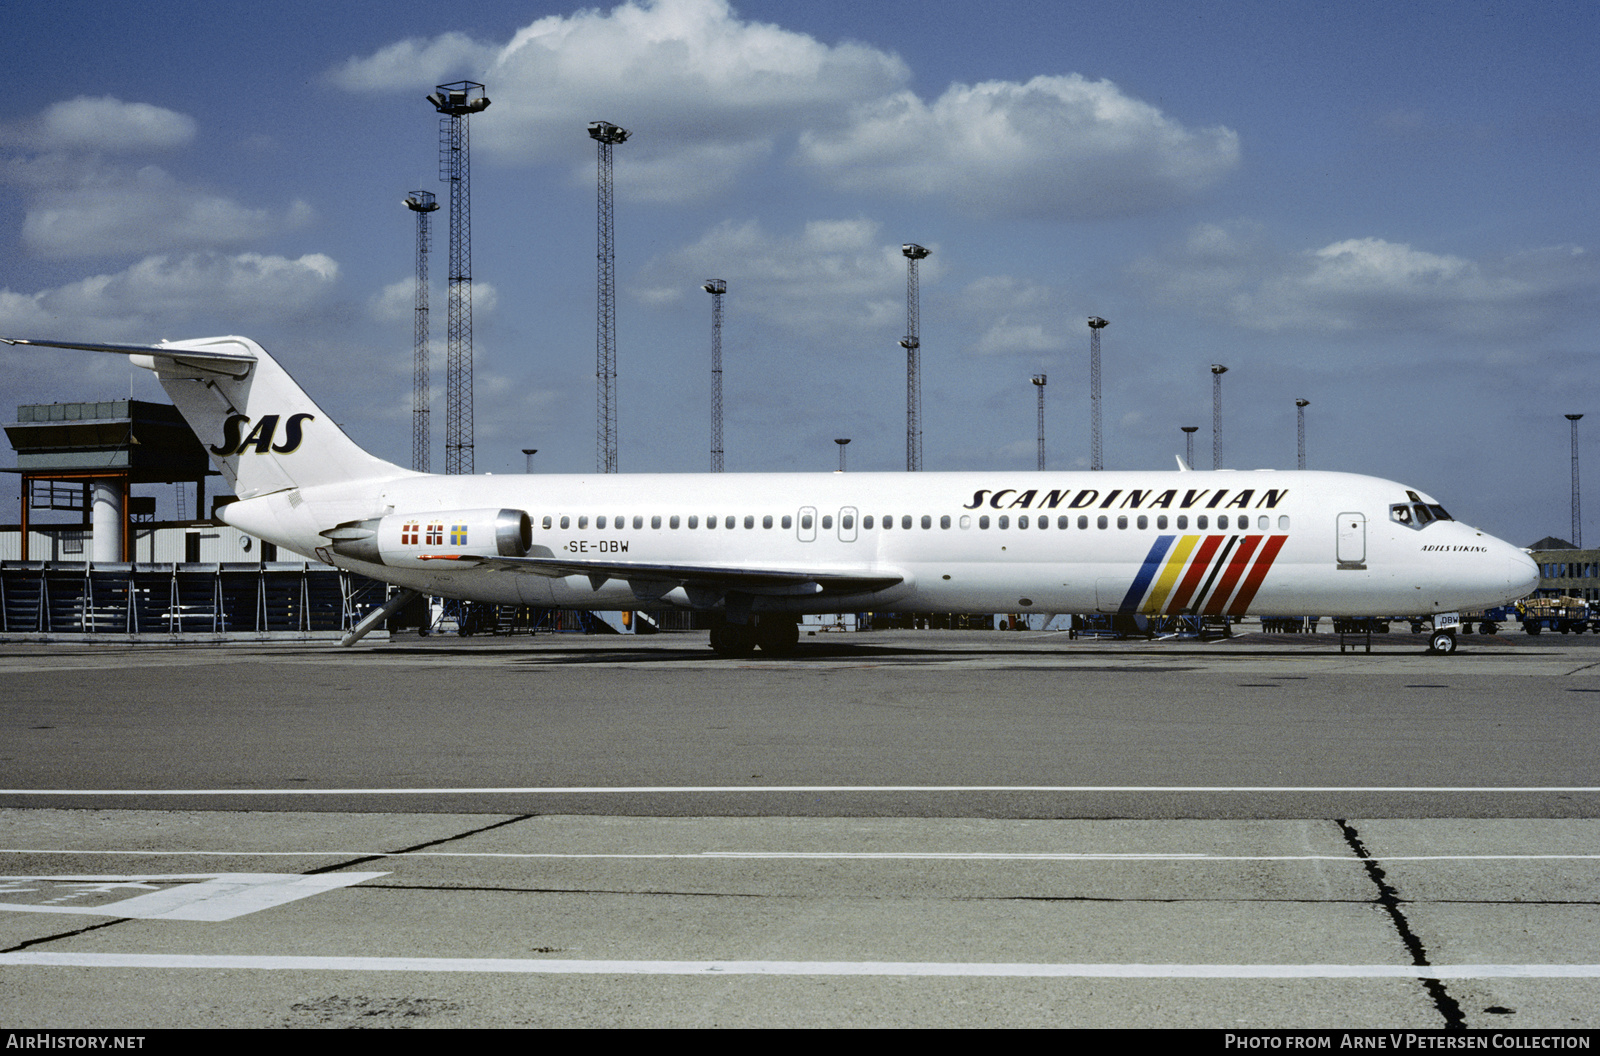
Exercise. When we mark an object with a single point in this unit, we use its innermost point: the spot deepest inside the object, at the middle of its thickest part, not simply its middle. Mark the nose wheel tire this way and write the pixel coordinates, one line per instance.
(1442, 643)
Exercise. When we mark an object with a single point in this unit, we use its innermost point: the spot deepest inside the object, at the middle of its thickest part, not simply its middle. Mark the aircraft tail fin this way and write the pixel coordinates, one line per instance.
(262, 430)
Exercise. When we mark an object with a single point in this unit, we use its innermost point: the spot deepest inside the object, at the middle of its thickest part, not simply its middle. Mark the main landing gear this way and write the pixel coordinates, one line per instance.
(777, 635)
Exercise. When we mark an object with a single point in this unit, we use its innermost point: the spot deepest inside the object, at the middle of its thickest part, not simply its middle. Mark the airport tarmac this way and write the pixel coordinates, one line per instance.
(894, 828)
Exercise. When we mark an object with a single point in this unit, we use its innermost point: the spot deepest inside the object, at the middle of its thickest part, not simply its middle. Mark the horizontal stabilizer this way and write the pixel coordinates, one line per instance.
(211, 360)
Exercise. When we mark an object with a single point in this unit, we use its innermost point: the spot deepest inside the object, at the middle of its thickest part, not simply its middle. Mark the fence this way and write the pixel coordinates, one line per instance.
(277, 599)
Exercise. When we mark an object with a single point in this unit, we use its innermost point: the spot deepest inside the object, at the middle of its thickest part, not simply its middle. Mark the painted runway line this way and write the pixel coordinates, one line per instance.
(809, 789)
(221, 962)
(172, 896)
(920, 856)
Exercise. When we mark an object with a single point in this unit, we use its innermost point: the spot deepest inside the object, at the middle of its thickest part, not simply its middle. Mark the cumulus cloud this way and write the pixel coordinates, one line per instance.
(1015, 316)
(1055, 146)
(833, 277)
(139, 212)
(82, 199)
(1369, 284)
(707, 93)
(106, 124)
(416, 64)
(151, 296)
(709, 96)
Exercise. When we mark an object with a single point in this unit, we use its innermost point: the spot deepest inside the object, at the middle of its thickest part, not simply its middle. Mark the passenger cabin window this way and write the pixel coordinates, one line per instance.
(827, 521)
(866, 522)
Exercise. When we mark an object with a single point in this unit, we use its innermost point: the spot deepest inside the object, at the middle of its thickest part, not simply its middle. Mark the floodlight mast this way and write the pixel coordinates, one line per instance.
(1577, 515)
(1300, 432)
(841, 442)
(1096, 453)
(716, 288)
(456, 103)
(606, 135)
(1038, 381)
(423, 204)
(912, 343)
(1217, 370)
(1188, 443)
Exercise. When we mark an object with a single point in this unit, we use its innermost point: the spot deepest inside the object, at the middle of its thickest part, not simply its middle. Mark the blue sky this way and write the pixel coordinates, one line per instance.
(1386, 209)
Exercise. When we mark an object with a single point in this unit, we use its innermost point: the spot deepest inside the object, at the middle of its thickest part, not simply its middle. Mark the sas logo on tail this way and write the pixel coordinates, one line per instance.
(261, 436)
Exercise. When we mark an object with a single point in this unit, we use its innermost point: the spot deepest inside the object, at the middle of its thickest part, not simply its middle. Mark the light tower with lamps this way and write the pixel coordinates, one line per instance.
(716, 288)
(456, 103)
(606, 135)
(1038, 381)
(912, 343)
(1096, 455)
(1300, 431)
(423, 204)
(1188, 443)
(527, 454)
(1577, 515)
(1217, 370)
(842, 442)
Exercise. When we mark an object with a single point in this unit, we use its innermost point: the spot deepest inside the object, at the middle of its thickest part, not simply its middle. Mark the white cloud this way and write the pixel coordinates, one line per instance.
(1055, 146)
(1370, 284)
(144, 301)
(1015, 317)
(416, 64)
(833, 277)
(107, 213)
(108, 124)
(707, 94)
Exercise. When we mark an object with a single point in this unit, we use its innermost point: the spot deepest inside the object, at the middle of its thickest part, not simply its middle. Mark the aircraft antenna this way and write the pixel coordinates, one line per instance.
(912, 343)
(1038, 381)
(456, 103)
(716, 288)
(606, 135)
(1096, 454)
(1300, 432)
(1577, 517)
(1217, 370)
(423, 204)
(1188, 443)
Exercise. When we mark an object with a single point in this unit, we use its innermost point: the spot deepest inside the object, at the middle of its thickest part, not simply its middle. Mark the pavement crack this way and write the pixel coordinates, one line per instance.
(418, 847)
(1389, 899)
(64, 935)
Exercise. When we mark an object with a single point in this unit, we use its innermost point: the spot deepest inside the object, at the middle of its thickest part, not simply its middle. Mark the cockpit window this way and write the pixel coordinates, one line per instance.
(1417, 514)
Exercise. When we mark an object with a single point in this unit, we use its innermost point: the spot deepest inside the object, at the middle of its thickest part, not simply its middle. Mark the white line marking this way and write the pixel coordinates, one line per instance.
(220, 962)
(703, 789)
(221, 896)
(935, 856)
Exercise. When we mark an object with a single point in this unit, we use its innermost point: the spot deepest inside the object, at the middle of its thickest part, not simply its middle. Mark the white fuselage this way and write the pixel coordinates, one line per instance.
(1224, 543)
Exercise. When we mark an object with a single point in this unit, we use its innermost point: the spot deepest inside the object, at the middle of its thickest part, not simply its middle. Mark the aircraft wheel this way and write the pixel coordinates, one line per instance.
(777, 636)
(1442, 642)
(732, 639)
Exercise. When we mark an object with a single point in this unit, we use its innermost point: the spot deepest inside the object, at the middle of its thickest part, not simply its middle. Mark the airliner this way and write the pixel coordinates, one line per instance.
(759, 550)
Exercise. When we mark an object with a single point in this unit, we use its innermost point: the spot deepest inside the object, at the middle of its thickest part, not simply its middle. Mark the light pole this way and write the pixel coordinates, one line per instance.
(1188, 443)
(841, 443)
(528, 453)
(716, 288)
(1217, 370)
(1096, 456)
(1300, 430)
(1577, 518)
(1038, 381)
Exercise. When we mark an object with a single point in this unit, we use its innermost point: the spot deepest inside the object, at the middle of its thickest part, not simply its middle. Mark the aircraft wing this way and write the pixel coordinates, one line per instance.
(207, 360)
(649, 579)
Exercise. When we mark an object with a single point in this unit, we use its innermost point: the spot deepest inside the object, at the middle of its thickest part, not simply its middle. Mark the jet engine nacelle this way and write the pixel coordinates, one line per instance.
(414, 540)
